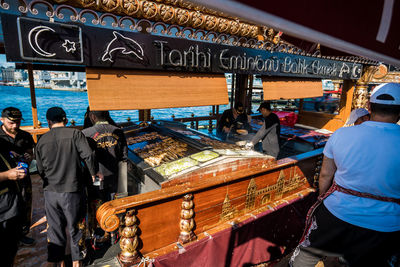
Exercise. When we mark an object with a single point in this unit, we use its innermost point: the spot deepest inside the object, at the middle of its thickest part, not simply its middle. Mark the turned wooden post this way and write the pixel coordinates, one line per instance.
(360, 95)
(210, 124)
(187, 222)
(192, 122)
(129, 241)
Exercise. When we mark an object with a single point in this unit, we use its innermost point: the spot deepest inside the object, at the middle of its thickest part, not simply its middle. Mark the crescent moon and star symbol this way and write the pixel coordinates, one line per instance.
(33, 38)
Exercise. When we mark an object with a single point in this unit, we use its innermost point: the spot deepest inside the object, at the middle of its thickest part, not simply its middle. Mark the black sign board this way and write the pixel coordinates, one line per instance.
(47, 41)
(109, 48)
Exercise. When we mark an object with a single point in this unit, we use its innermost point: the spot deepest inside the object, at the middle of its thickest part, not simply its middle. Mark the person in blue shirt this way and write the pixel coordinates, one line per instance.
(358, 216)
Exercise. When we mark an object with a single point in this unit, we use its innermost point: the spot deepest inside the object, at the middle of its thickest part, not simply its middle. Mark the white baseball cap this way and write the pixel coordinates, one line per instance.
(386, 94)
(355, 114)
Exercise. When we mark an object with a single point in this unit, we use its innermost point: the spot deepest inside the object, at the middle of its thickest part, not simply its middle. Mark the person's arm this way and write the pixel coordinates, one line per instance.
(328, 170)
(124, 146)
(263, 131)
(222, 123)
(29, 155)
(259, 135)
(12, 174)
(39, 164)
(86, 153)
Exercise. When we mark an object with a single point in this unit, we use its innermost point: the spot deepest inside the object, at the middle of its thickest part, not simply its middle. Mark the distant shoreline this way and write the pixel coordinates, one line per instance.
(49, 88)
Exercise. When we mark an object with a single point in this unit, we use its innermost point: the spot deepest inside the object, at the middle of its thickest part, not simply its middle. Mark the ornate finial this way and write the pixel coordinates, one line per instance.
(187, 222)
(192, 122)
(129, 241)
(210, 124)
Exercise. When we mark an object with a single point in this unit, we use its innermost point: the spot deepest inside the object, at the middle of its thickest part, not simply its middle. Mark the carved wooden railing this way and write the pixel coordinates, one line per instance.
(206, 199)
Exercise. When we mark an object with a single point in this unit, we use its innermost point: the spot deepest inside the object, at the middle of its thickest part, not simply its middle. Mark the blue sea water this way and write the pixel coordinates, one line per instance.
(75, 104)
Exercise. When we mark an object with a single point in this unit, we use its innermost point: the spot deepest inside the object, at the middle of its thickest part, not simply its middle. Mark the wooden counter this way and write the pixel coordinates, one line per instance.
(206, 199)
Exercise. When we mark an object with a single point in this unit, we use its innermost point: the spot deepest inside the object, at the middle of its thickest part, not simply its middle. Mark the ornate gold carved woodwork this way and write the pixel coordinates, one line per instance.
(187, 222)
(129, 240)
(106, 217)
(167, 13)
(381, 72)
(360, 96)
(251, 195)
(256, 197)
(182, 17)
(109, 5)
(178, 12)
(228, 210)
(130, 7)
(391, 77)
(382, 75)
(170, 15)
(368, 74)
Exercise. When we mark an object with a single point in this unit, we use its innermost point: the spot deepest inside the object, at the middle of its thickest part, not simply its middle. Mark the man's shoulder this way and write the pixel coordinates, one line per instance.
(59, 131)
(88, 130)
(3, 133)
(24, 134)
(272, 117)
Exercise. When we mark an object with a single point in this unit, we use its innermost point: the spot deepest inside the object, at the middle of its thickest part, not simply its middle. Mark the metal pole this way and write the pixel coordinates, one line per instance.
(249, 94)
(233, 84)
(33, 97)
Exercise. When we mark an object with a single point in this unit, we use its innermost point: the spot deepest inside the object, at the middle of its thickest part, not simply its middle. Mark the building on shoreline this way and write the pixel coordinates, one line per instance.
(55, 80)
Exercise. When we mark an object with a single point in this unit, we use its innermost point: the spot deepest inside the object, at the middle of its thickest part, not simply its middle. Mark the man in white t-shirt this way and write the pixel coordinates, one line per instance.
(359, 218)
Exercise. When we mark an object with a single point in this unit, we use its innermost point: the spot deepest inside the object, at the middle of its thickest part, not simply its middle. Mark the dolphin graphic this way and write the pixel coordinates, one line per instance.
(126, 45)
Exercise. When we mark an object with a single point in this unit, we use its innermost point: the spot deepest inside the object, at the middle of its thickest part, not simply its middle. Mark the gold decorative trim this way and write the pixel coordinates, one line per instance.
(129, 240)
(228, 210)
(172, 12)
(186, 224)
(255, 198)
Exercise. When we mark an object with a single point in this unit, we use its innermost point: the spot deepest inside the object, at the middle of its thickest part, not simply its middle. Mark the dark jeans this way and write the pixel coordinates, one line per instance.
(10, 231)
(26, 192)
(65, 211)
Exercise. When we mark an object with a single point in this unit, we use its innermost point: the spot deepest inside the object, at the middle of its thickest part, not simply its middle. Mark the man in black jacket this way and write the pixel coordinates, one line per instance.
(231, 120)
(59, 155)
(111, 148)
(21, 149)
(10, 212)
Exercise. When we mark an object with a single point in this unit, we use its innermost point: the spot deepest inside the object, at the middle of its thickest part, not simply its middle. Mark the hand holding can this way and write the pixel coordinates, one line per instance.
(23, 166)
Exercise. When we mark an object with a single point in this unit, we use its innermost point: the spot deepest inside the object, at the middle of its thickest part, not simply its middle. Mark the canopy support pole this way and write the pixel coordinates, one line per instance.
(33, 97)
(144, 114)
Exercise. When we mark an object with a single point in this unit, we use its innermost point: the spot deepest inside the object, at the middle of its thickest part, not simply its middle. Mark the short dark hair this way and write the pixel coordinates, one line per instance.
(101, 114)
(266, 105)
(386, 110)
(56, 114)
(238, 105)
